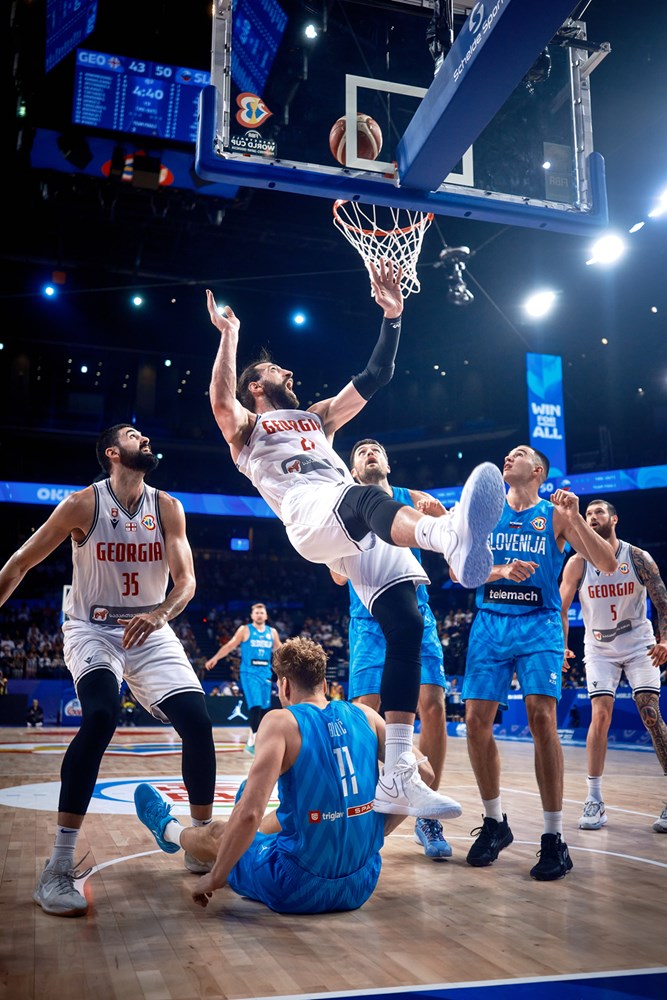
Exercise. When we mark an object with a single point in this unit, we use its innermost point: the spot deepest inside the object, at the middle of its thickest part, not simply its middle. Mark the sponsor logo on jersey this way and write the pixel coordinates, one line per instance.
(539, 523)
(129, 552)
(508, 594)
(99, 614)
(517, 525)
(114, 522)
(148, 522)
(624, 568)
(130, 526)
(315, 816)
(304, 466)
(114, 511)
(360, 810)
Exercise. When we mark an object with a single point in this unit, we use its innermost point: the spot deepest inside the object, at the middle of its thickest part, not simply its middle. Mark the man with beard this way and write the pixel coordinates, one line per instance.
(287, 454)
(369, 465)
(127, 538)
(618, 639)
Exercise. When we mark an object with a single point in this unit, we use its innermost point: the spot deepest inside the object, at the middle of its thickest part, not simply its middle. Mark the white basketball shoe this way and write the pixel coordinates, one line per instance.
(594, 816)
(56, 893)
(401, 791)
(465, 531)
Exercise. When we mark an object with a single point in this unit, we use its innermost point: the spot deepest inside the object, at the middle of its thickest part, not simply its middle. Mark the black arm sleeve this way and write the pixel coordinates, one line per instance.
(380, 367)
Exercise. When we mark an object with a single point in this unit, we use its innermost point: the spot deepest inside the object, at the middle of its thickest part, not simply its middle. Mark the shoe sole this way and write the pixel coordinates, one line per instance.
(196, 866)
(483, 862)
(448, 810)
(482, 503)
(553, 878)
(659, 829)
(59, 913)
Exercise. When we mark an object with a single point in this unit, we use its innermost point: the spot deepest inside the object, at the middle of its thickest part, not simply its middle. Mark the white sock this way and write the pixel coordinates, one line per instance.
(64, 846)
(172, 832)
(397, 741)
(553, 822)
(493, 809)
(424, 533)
(200, 822)
(594, 788)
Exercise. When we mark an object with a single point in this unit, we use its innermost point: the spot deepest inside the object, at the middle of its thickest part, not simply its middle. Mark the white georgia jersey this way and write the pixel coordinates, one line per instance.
(614, 609)
(120, 568)
(289, 448)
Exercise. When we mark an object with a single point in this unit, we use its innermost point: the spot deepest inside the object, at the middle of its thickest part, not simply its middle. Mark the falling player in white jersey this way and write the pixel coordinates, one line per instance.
(127, 539)
(287, 453)
(618, 638)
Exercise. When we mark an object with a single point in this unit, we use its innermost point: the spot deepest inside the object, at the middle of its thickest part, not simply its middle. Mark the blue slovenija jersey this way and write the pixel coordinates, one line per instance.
(527, 535)
(326, 797)
(357, 609)
(257, 649)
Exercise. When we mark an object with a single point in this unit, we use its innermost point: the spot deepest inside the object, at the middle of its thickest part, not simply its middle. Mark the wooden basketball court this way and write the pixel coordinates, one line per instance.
(427, 923)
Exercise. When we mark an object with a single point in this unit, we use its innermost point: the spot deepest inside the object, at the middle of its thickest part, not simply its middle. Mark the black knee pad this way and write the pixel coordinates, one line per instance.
(402, 625)
(368, 508)
(188, 714)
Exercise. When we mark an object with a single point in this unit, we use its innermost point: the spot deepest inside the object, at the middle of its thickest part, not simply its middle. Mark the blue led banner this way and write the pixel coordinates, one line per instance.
(546, 418)
(68, 22)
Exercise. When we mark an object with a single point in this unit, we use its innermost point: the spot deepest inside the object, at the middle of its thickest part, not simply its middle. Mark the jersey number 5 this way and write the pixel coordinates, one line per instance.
(346, 768)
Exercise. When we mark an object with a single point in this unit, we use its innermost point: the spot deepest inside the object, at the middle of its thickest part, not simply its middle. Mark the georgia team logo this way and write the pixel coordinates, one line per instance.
(253, 111)
(539, 523)
(624, 569)
(598, 636)
(148, 522)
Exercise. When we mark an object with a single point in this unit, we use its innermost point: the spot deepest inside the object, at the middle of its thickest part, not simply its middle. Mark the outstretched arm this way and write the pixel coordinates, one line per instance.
(649, 574)
(73, 514)
(386, 285)
(232, 418)
(572, 527)
(242, 633)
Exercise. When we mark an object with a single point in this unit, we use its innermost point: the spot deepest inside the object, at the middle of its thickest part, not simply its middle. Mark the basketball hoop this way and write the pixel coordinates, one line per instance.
(399, 240)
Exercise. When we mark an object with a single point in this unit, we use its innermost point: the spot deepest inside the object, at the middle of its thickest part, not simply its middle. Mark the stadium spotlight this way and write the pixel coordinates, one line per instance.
(310, 31)
(661, 207)
(298, 318)
(49, 291)
(137, 301)
(607, 250)
(540, 303)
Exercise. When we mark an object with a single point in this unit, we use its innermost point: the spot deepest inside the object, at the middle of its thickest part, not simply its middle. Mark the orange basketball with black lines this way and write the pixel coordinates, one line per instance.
(369, 139)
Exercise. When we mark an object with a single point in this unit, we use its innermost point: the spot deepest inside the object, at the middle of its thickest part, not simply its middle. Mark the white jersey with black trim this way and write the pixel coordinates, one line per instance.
(120, 568)
(289, 448)
(614, 609)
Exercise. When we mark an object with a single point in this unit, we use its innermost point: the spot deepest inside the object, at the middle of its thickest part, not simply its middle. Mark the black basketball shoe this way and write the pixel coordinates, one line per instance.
(554, 859)
(493, 837)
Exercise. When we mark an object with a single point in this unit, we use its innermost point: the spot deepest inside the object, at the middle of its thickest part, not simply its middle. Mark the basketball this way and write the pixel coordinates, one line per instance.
(369, 138)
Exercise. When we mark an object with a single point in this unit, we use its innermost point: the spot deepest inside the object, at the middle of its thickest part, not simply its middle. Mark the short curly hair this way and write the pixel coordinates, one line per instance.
(301, 661)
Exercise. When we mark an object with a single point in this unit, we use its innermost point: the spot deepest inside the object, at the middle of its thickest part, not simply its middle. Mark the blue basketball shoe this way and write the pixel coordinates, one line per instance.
(429, 833)
(154, 813)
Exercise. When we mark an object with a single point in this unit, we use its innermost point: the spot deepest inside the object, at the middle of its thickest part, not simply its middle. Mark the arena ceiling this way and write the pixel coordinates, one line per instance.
(269, 255)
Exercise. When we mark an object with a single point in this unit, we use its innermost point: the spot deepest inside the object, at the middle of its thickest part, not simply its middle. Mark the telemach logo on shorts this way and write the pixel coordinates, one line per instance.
(523, 596)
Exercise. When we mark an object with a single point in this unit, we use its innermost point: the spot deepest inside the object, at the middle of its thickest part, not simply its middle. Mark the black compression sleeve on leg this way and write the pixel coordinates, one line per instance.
(380, 367)
(189, 717)
(98, 694)
(368, 508)
(402, 625)
(254, 717)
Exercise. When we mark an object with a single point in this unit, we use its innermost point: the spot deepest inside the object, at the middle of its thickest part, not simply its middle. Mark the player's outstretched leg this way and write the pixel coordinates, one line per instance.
(400, 791)
(465, 532)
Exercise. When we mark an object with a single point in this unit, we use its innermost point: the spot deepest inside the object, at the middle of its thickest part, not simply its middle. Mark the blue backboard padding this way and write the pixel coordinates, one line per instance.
(492, 53)
(371, 189)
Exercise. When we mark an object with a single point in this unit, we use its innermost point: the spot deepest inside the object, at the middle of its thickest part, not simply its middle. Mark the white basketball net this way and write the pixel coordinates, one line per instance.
(395, 234)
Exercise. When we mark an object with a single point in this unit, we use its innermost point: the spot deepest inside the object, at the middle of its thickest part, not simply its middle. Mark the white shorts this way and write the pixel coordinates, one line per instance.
(603, 674)
(313, 525)
(374, 571)
(154, 672)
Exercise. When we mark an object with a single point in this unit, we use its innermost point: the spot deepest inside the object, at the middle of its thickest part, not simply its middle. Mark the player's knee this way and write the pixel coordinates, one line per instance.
(649, 711)
(432, 705)
(541, 719)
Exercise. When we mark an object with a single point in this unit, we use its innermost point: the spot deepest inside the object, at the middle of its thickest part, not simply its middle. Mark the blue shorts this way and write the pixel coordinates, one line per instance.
(256, 686)
(368, 649)
(268, 874)
(532, 644)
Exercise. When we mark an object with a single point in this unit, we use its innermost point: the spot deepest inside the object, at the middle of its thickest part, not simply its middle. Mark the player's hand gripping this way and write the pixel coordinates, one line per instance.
(223, 320)
(431, 506)
(519, 570)
(204, 889)
(569, 655)
(386, 286)
(567, 502)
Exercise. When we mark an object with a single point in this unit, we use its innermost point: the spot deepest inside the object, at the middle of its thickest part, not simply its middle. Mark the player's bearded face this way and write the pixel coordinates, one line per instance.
(278, 395)
(140, 461)
(602, 528)
(371, 468)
